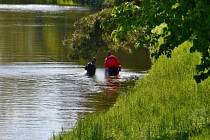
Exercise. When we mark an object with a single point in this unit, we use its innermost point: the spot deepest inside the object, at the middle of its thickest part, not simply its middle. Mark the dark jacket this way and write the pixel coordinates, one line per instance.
(91, 69)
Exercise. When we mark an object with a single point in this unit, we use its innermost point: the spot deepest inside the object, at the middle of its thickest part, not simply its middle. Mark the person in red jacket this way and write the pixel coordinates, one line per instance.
(112, 65)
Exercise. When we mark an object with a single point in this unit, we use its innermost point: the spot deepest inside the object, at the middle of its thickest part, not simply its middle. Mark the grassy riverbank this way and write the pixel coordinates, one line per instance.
(166, 104)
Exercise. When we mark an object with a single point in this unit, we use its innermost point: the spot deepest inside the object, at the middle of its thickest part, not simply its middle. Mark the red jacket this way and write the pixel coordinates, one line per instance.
(111, 61)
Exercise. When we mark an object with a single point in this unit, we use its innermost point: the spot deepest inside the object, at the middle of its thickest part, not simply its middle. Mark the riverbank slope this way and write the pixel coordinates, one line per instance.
(166, 104)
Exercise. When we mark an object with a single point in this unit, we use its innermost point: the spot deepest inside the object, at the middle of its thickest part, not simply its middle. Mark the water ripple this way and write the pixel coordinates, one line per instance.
(38, 99)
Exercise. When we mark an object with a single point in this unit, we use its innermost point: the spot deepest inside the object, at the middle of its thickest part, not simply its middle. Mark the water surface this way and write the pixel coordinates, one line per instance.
(38, 99)
(39, 8)
(31, 33)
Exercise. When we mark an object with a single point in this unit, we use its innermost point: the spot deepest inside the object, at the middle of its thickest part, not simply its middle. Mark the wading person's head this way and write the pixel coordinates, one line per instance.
(109, 53)
(94, 60)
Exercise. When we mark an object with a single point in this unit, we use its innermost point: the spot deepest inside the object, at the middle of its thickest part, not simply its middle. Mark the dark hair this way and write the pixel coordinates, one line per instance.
(94, 59)
(109, 53)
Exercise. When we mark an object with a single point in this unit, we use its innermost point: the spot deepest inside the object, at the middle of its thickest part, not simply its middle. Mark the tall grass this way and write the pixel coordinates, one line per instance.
(166, 104)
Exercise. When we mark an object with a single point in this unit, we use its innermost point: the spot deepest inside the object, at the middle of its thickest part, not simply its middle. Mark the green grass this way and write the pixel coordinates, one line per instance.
(166, 104)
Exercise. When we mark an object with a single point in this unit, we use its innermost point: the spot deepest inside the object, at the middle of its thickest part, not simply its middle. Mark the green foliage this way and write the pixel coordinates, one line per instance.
(96, 3)
(87, 37)
(111, 3)
(123, 31)
(129, 12)
(166, 104)
(185, 20)
(65, 2)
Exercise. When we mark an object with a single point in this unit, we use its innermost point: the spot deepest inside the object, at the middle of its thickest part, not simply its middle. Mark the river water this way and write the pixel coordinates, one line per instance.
(41, 90)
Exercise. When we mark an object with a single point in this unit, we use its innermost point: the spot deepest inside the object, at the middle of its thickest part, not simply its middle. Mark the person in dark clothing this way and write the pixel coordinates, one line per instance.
(112, 65)
(91, 67)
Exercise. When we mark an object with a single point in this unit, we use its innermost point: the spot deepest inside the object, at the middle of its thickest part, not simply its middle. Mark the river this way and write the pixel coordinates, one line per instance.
(41, 90)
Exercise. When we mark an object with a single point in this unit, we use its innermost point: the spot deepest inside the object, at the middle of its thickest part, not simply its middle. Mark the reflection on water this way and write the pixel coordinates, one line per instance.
(38, 99)
(110, 87)
(29, 35)
(39, 8)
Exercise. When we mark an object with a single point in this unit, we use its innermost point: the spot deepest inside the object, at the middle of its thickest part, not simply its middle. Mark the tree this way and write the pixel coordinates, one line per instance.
(165, 25)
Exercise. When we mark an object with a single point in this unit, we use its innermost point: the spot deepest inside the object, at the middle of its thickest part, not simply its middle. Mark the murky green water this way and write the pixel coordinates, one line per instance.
(41, 90)
(35, 32)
